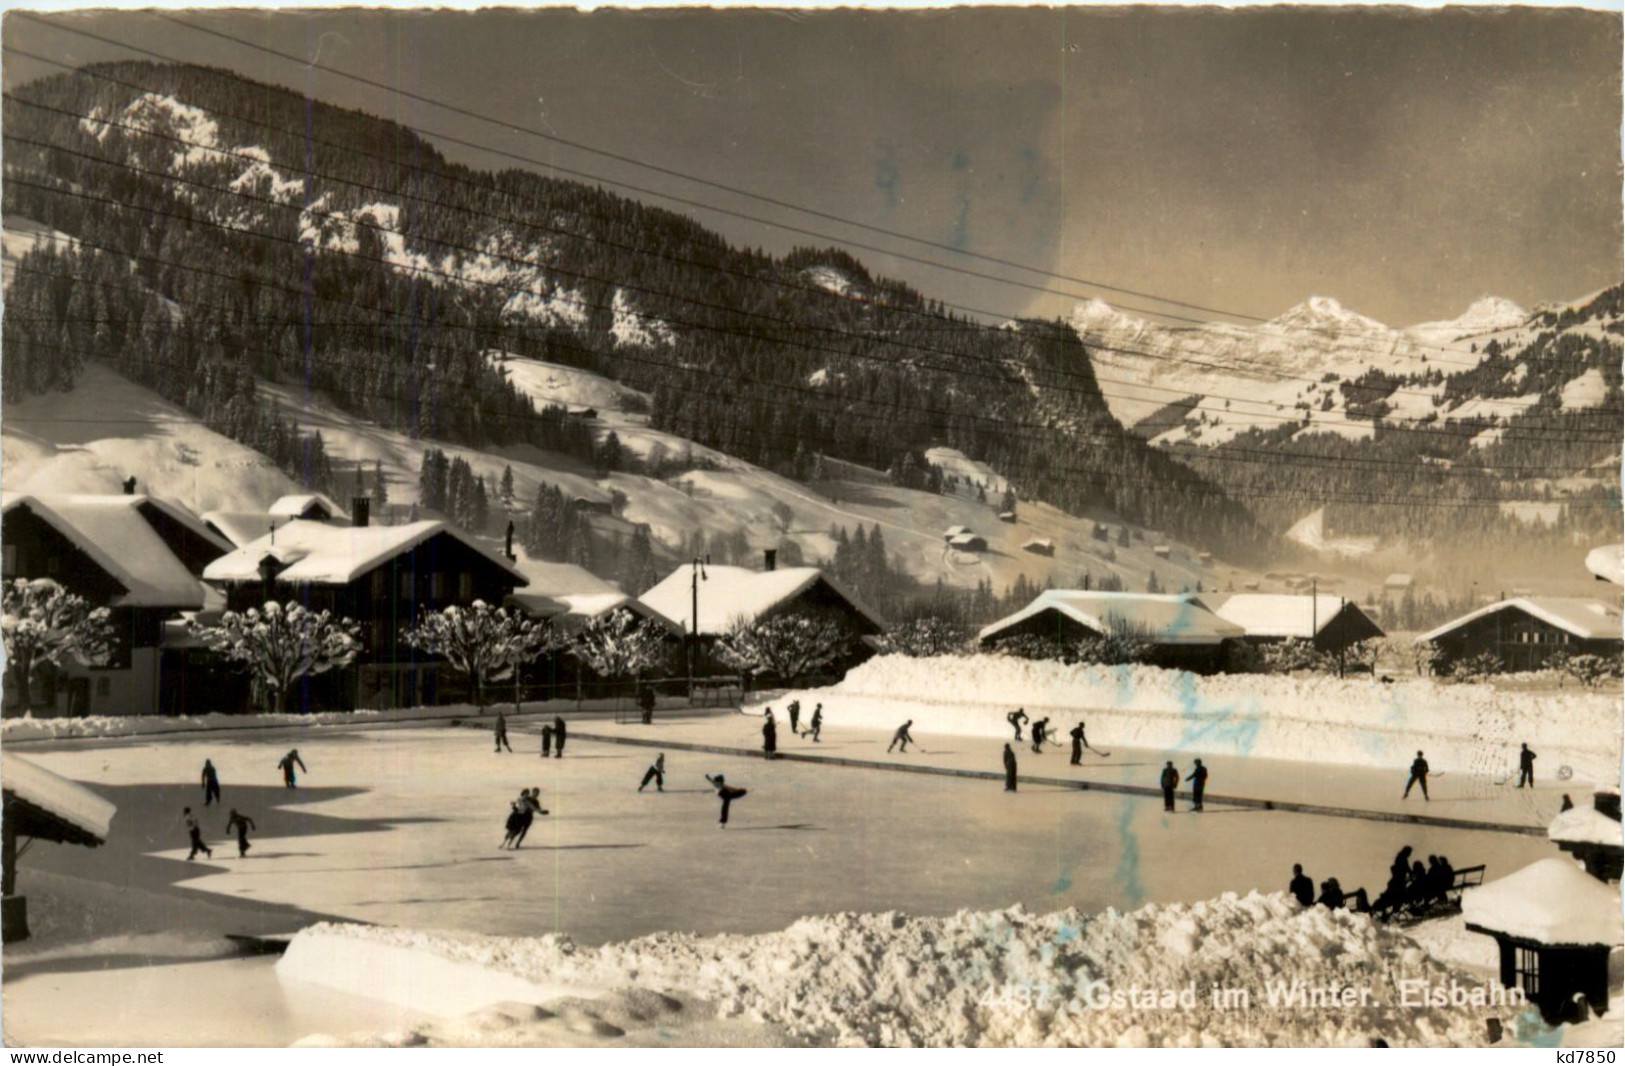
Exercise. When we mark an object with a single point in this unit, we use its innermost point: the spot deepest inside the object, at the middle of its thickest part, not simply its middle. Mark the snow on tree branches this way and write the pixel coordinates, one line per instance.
(482, 642)
(618, 644)
(281, 643)
(42, 622)
(922, 638)
(786, 645)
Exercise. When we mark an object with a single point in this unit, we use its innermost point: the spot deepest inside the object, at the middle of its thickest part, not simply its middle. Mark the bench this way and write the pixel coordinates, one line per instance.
(1413, 910)
(1466, 877)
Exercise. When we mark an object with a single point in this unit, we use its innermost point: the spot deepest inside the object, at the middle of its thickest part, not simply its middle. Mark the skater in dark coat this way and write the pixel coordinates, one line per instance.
(726, 793)
(289, 761)
(1077, 744)
(770, 734)
(795, 717)
(558, 737)
(195, 831)
(646, 703)
(530, 805)
(1568, 804)
(1015, 718)
(1302, 886)
(1419, 776)
(1009, 769)
(1198, 779)
(242, 823)
(514, 821)
(816, 726)
(211, 783)
(901, 737)
(1040, 734)
(502, 733)
(1526, 767)
(547, 741)
(655, 773)
(1169, 782)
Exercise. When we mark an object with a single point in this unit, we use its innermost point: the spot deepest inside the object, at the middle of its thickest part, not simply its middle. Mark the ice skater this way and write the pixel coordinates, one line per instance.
(211, 783)
(289, 761)
(1077, 744)
(1526, 767)
(646, 704)
(1009, 769)
(655, 773)
(1198, 779)
(1015, 718)
(770, 734)
(1419, 776)
(1169, 782)
(901, 737)
(547, 741)
(1040, 734)
(795, 716)
(1302, 886)
(816, 726)
(558, 737)
(241, 823)
(530, 805)
(726, 793)
(502, 734)
(195, 831)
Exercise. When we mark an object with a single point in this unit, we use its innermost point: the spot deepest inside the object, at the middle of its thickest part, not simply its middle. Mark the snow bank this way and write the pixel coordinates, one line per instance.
(1551, 901)
(1146, 978)
(30, 728)
(1313, 719)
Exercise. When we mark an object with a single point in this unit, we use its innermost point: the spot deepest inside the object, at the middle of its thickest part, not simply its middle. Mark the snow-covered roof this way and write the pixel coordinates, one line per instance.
(1275, 615)
(1586, 619)
(1039, 542)
(968, 540)
(1170, 619)
(1551, 901)
(1606, 562)
(56, 796)
(954, 531)
(296, 505)
(733, 592)
(185, 517)
(244, 527)
(113, 532)
(1586, 825)
(1397, 581)
(322, 554)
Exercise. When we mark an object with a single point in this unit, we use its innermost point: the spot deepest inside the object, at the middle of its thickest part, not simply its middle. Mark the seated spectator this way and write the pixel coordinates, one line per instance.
(1331, 894)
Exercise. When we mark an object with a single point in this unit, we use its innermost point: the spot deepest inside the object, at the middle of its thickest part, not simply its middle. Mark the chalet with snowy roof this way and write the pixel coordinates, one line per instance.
(569, 596)
(40, 805)
(1524, 633)
(244, 527)
(1397, 583)
(955, 531)
(140, 557)
(384, 577)
(1331, 622)
(310, 506)
(1555, 928)
(969, 542)
(1593, 835)
(1039, 546)
(735, 594)
(1183, 633)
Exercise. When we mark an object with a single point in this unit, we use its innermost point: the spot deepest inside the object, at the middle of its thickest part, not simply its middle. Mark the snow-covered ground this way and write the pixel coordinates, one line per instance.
(1214, 973)
(1308, 719)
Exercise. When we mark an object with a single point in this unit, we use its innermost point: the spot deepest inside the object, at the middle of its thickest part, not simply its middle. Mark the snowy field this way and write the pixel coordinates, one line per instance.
(1308, 719)
(399, 827)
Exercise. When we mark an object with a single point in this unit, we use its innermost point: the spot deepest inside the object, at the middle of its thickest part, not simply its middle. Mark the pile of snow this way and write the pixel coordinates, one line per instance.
(1585, 825)
(1314, 719)
(30, 728)
(1551, 901)
(992, 978)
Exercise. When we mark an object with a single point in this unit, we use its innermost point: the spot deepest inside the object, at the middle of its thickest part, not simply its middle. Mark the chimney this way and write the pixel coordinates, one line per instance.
(770, 559)
(360, 511)
(1606, 802)
(129, 486)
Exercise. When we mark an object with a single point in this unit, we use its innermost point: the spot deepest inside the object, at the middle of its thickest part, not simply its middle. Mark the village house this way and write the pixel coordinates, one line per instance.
(385, 578)
(140, 557)
(1526, 632)
(243, 527)
(1332, 623)
(1182, 632)
(729, 595)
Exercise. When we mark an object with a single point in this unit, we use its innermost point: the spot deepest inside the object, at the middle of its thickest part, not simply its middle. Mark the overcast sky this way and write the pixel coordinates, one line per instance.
(1403, 162)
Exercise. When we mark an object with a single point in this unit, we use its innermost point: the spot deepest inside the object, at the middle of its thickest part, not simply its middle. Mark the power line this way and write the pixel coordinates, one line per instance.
(677, 199)
(459, 279)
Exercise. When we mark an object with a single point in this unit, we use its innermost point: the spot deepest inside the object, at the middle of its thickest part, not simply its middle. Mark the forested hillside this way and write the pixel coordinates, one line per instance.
(230, 231)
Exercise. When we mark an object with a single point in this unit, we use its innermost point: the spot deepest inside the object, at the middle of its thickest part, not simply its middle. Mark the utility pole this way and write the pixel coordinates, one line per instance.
(697, 576)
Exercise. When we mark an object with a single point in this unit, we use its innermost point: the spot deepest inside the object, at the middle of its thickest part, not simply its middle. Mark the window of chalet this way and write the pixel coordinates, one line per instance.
(405, 585)
(10, 568)
(465, 585)
(437, 585)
